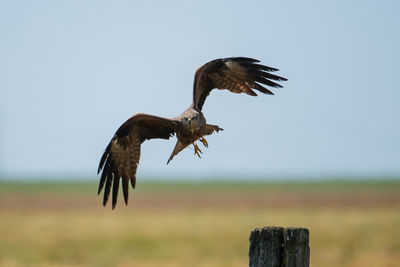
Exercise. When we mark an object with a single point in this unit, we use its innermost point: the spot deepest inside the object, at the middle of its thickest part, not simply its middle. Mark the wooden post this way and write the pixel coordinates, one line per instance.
(278, 246)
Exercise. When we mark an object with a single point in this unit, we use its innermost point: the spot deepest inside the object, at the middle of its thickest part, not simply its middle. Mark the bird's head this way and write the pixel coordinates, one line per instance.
(188, 122)
(192, 122)
(191, 119)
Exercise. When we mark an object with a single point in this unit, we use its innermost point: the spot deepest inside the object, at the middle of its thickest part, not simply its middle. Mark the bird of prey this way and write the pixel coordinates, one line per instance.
(121, 157)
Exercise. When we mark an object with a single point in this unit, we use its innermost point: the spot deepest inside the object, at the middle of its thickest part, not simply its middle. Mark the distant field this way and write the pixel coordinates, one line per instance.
(196, 224)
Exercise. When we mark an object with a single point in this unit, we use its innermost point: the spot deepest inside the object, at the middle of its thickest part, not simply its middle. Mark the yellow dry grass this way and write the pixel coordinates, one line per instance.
(188, 226)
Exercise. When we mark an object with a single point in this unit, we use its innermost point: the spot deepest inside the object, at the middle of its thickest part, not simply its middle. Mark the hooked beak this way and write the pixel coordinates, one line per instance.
(189, 121)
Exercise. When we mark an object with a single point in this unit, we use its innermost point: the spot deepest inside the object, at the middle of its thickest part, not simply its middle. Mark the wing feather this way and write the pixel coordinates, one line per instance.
(121, 156)
(107, 188)
(115, 191)
(236, 74)
(103, 178)
(262, 89)
(125, 188)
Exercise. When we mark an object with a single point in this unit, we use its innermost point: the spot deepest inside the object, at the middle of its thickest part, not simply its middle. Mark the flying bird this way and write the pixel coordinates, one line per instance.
(121, 157)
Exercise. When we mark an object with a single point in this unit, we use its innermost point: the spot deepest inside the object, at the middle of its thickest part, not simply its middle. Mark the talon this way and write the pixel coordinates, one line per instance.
(204, 141)
(197, 150)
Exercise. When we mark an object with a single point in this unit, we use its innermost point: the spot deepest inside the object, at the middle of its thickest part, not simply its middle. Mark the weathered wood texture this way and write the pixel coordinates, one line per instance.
(278, 246)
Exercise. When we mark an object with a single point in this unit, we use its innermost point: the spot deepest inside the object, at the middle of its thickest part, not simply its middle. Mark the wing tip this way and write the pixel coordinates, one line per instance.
(125, 188)
(251, 92)
(248, 59)
(115, 189)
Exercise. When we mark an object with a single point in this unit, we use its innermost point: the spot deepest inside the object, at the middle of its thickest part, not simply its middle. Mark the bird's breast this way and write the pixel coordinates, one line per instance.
(191, 134)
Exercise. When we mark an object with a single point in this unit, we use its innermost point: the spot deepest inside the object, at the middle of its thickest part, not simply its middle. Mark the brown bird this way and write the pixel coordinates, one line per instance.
(121, 156)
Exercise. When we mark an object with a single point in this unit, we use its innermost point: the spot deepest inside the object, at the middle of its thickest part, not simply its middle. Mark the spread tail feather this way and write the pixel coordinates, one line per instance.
(178, 148)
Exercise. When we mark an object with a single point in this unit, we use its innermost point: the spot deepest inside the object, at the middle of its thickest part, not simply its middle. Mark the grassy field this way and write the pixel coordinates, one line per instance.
(196, 224)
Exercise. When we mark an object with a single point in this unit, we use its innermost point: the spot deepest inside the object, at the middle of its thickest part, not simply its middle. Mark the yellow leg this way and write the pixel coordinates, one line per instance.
(204, 141)
(197, 150)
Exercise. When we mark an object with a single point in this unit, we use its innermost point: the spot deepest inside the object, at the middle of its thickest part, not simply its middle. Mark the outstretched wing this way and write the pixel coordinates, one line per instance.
(121, 157)
(237, 74)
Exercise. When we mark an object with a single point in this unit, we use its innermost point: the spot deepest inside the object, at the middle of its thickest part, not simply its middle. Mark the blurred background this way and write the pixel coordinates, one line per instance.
(323, 153)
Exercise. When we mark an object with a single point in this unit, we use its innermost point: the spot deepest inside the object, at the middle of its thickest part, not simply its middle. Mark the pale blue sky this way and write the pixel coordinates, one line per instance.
(72, 71)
